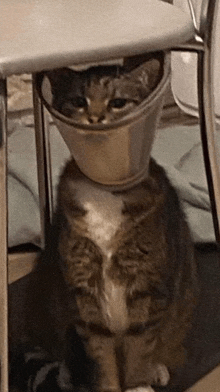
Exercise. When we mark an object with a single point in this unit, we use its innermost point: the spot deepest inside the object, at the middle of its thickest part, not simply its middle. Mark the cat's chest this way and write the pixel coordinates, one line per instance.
(103, 219)
(104, 257)
(103, 216)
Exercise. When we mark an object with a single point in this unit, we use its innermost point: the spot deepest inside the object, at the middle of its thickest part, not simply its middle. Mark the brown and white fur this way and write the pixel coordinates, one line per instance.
(119, 268)
(103, 94)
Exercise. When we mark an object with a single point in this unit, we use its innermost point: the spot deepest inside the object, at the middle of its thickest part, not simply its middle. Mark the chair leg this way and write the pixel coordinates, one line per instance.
(3, 241)
(43, 165)
(207, 117)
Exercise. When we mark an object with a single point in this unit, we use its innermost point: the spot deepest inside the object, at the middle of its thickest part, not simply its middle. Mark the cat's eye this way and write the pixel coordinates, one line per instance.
(79, 102)
(118, 103)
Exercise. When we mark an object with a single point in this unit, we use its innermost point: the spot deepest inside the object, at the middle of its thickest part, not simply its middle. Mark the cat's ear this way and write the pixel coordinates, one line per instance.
(131, 63)
(153, 70)
(148, 73)
(146, 68)
(60, 76)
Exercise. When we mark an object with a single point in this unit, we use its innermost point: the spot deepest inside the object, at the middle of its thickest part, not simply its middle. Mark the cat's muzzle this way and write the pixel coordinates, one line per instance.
(115, 155)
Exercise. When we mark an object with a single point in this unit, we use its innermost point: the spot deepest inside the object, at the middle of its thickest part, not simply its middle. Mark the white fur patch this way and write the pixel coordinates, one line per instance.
(104, 215)
(103, 219)
(141, 389)
(163, 375)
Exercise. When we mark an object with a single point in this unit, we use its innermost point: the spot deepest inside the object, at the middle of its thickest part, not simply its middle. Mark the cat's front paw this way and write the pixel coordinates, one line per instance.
(161, 375)
(141, 389)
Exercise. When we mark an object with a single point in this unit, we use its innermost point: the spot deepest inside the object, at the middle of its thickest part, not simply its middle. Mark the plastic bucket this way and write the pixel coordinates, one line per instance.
(113, 154)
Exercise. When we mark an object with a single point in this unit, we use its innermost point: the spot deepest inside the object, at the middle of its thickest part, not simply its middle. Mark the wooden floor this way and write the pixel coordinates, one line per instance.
(21, 263)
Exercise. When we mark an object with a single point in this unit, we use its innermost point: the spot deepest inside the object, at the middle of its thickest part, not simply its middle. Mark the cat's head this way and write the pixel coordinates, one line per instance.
(102, 94)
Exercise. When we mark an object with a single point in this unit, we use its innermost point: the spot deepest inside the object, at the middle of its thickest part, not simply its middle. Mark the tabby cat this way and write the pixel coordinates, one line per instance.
(110, 300)
(105, 93)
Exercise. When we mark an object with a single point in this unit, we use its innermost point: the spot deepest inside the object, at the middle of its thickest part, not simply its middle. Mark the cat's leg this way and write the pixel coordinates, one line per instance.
(102, 350)
(140, 368)
(157, 373)
(141, 389)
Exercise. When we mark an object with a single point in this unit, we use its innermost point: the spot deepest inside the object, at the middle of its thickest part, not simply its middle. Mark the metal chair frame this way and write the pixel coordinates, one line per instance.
(203, 45)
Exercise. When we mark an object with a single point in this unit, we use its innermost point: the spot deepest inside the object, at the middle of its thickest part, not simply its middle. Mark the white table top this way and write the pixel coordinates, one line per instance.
(44, 34)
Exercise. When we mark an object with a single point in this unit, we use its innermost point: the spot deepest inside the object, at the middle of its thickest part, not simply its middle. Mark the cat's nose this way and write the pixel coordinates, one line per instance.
(94, 119)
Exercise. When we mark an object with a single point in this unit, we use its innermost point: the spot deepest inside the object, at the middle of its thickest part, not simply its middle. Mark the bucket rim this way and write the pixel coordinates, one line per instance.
(147, 105)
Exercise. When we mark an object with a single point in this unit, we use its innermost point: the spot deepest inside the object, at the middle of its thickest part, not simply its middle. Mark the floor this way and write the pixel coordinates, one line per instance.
(210, 383)
(21, 263)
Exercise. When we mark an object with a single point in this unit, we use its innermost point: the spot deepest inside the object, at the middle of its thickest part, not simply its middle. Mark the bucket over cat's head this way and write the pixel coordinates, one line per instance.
(116, 153)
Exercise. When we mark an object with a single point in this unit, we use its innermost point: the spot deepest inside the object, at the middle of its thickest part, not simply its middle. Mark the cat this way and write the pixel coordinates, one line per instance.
(103, 94)
(119, 274)
(110, 301)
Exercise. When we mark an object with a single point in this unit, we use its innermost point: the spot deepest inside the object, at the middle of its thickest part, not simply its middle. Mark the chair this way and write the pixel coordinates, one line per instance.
(204, 15)
(43, 34)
